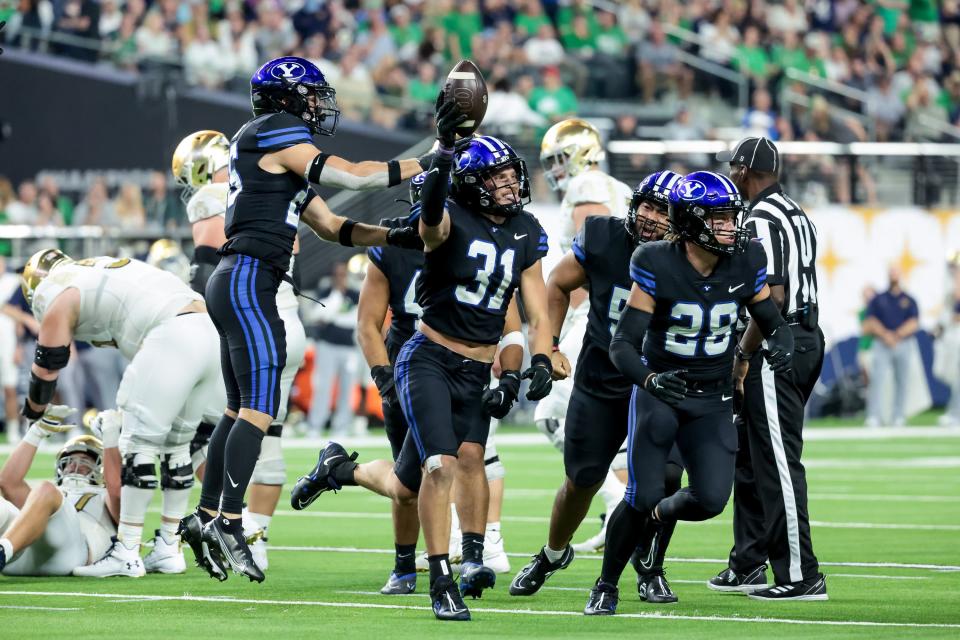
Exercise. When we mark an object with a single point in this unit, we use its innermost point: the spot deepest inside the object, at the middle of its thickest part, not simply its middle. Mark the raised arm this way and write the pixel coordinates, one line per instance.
(333, 171)
(53, 351)
(333, 228)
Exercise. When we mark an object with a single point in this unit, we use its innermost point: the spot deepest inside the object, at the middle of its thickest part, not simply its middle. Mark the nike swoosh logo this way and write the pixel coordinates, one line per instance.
(732, 289)
(725, 398)
(329, 460)
(234, 484)
(516, 237)
(647, 562)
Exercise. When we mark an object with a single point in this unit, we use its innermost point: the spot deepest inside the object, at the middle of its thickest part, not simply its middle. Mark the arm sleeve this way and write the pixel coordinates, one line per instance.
(767, 232)
(277, 132)
(757, 265)
(627, 344)
(641, 271)
(538, 243)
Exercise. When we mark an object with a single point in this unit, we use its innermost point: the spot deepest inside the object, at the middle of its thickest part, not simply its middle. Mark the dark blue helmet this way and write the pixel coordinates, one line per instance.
(655, 189)
(698, 197)
(298, 87)
(416, 186)
(474, 166)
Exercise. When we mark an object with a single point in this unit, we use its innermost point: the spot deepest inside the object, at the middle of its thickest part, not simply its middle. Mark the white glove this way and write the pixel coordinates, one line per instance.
(51, 422)
(106, 426)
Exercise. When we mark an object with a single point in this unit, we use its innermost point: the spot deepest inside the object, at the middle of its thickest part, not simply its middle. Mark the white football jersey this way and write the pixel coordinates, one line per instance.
(96, 524)
(593, 186)
(286, 298)
(209, 200)
(121, 300)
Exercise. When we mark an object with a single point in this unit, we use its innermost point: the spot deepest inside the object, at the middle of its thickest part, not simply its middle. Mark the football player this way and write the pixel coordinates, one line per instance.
(200, 166)
(161, 327)
(272, 162)
(596, 424)
(570, 153)
(54, 528)
(673, 342)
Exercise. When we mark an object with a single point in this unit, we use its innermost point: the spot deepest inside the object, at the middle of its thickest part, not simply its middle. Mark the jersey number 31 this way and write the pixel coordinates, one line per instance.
(473, 296)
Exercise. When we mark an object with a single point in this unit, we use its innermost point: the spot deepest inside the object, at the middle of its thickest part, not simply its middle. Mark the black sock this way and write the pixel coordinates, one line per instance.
(405, 561)
(623, 533)
(241, 453)
(472, 547)
(439, 566)
(213, 473)
(231, 525)
(204, 516)
(343, 473)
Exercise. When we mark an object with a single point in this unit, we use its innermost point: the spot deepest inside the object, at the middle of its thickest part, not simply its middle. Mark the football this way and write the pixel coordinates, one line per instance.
(465, 85)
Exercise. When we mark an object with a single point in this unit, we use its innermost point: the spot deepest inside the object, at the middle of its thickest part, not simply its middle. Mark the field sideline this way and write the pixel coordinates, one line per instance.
(886, 512)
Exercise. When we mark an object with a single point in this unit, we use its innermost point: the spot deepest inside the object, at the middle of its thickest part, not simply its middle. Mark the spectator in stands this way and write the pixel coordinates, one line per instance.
(111, 17)
(204, 61)
(128, 207)
(238, 47)
(554, 100)
(530, 18)
(719, 39)
(125, 53)
(377, 41)
(355, 88)
(79, 20)
(161, 208)
(885, 108)
(275, 35)
(154, 42)
(751, 58)
(787, 17)
(461, 25)
(683, 127)
(824, 126)
(315, 50)
(634, 19)
(508, 111)
(760, 119)
(407, 34)
(23, 210)
(893, 319)
(423, 88)
(543, 49)
(64, 204)
(657, 63)
(926, 119)
(96, 208)
(47, 213)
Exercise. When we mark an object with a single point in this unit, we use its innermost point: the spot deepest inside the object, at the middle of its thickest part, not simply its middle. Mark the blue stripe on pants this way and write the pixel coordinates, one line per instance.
(270, 347)
(235, 302)
(403, 387)
(630, 495)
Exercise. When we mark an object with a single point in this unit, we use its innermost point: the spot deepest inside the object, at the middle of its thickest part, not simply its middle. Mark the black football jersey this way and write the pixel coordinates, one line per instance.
(467, 282)
(402, 269)
(603, 248)
(263, 209)
(692, 325)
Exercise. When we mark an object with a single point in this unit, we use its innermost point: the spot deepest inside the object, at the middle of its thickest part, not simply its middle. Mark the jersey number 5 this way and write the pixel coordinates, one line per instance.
(684, 339)
(487, 251)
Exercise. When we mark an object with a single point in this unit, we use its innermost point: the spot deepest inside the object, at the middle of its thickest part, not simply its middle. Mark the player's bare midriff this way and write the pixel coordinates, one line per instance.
(472, 350)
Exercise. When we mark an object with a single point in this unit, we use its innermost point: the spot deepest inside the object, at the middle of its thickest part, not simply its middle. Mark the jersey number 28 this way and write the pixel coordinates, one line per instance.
(685, 339)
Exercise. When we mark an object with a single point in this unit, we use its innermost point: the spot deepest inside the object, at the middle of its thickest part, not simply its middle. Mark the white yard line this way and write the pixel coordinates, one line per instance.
(654, 615)
(13, 606)
(841, 497)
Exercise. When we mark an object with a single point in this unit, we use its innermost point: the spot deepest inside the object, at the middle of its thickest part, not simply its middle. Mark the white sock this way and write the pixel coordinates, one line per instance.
(262, 520)
(130, 535)
(552, 555)
(133, 508)
(176, 502)
(493, 529)
(611, 491)
(7, 547)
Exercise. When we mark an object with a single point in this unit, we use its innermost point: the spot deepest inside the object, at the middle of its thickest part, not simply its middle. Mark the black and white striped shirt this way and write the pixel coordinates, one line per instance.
(790, 241)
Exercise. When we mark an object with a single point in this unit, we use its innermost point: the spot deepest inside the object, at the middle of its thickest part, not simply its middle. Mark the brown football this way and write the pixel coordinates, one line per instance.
(466, 85)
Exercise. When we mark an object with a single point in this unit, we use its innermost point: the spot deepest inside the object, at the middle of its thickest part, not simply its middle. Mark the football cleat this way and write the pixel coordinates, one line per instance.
(117, 561)
(258, 548)
(532, 576)
(400, 585)
(3, 558)
(596, 542)
(320, 479)
(603, 600)
(493, 554)
(191, 532)
(474, 578)
(815, 589)
(164, 557)
(446, 600)
(729, 581)
(231, 547)
(654, 588)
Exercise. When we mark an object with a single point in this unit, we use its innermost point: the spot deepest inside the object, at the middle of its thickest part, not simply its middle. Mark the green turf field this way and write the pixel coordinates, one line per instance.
(886, 526)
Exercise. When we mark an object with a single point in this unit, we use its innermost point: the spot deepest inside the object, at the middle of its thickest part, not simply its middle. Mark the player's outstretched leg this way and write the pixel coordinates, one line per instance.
(333, 471)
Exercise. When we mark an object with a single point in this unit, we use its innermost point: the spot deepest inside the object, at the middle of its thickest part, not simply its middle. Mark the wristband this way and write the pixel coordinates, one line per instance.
(393, 172)
(541, 360)
(741, 355)
(346, 233)
(34, 436)
(28, 412)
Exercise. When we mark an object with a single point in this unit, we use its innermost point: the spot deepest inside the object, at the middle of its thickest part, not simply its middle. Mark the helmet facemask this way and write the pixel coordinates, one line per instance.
(699, 224)
(641, 225)
(484, 188)
(315, 104)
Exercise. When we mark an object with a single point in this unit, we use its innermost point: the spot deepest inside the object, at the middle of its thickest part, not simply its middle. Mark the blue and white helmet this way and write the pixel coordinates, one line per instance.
(655, 189)
(695, 199)
(474, 165)
(296, 86)
(416, 186)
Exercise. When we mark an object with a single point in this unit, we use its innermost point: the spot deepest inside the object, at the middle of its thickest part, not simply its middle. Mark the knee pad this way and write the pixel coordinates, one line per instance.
(198, 446)
(672, 478)
(270, 468)
(176, 469)
(553, 429)
(494, 469)
(139, 471)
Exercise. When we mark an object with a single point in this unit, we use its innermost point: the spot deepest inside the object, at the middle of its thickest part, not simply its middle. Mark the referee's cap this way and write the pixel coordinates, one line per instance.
(759, 154)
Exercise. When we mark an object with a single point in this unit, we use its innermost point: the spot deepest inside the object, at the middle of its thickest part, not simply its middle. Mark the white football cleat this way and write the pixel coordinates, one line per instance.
(493, 554)
(456, 547)
(258, 548)
(422, 563)
(117, 561)
(594, 543)
(164, 557)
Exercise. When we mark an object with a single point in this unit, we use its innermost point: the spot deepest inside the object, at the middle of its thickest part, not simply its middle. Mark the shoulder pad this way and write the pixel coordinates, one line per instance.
(588, 187)
(209, 200)
(279, 131)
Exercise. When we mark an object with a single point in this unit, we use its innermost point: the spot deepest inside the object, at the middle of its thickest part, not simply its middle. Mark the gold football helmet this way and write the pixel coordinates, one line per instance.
(166, 254)
(198, 157)
(74, 469)
(37, 268)
(568, 148)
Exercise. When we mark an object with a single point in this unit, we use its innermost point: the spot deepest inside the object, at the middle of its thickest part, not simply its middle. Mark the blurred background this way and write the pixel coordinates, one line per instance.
(862, 97)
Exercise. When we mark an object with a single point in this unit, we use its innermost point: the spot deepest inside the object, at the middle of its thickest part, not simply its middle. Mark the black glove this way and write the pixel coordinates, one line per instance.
(383, 377)
(668, 386)
(540, 374)
(780, 360)
(405, 238)
(448, 117)
(427, 159)
(498, 402)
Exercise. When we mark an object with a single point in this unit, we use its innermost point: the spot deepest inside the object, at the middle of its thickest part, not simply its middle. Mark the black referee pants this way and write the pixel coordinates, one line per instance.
(770, 519)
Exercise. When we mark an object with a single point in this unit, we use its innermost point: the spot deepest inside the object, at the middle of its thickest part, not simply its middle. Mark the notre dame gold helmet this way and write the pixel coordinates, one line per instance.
(166, 254)
(568, 148)
(198, 157)
(37, 268)
(80, 470)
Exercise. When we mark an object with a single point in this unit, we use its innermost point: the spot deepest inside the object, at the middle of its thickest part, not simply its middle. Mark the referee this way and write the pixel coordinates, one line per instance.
(770, 491)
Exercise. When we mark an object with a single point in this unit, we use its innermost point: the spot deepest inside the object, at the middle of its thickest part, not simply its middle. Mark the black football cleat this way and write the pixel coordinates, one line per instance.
(309, 487)
(3, 558)
(654, 588)
(231, 547)
(814, 589)
(729, 581)
(191, 532)
(400, 585)
(474, 578)
(446, 600)
(529, 580)
(603, 600)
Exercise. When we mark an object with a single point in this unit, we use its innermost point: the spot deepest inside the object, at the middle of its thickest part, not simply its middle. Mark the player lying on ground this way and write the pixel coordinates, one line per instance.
(54, 529)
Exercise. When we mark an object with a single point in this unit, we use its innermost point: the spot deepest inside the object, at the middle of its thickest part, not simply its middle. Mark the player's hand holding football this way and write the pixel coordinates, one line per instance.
(540, 374)
(669, 386)
(498, 401)
(561, 365)
(448, 117)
